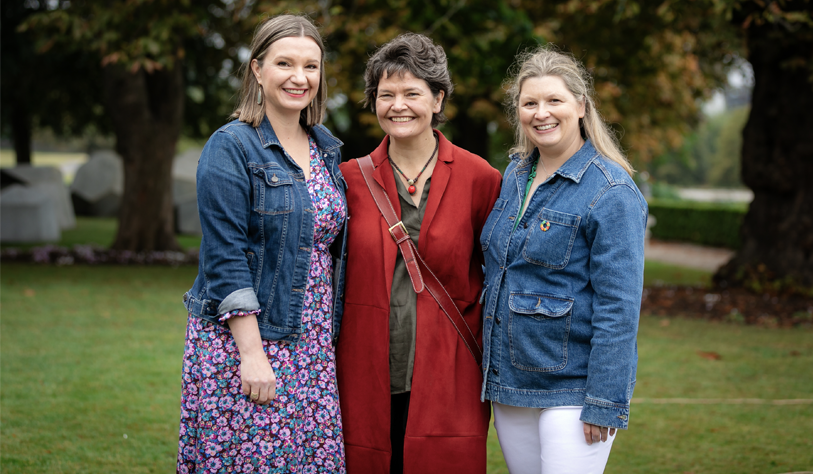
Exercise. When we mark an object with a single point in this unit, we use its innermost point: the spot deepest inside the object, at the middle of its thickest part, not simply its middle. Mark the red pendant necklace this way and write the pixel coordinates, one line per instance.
(411, 182)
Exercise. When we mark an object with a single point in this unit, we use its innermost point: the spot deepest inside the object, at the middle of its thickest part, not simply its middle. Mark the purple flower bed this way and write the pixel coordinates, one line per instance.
(95, 255)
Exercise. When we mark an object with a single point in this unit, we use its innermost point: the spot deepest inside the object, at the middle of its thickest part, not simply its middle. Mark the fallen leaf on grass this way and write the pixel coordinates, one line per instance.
(664, 322)
(709, 355)
(29, 292)
(795, 353)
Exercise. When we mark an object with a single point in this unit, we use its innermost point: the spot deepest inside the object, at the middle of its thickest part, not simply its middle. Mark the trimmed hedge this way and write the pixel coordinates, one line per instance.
(704, 223)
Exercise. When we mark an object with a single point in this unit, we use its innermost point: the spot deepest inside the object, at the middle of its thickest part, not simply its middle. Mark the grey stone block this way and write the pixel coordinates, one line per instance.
(98, 185)
(184, 192)
(28, 215)
(49, 180)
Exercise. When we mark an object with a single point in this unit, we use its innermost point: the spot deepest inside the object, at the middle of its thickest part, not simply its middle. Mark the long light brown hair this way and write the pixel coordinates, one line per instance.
(269, 31)
(547, 60)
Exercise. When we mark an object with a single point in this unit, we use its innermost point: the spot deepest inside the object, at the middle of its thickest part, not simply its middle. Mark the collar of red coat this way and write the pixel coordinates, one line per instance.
(379, 155)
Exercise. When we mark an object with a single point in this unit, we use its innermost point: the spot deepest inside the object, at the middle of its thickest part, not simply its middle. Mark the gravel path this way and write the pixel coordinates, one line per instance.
(687, 255)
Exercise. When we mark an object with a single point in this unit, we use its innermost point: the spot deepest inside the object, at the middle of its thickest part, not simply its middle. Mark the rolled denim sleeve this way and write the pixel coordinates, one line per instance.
(615, 232)
(224, 204)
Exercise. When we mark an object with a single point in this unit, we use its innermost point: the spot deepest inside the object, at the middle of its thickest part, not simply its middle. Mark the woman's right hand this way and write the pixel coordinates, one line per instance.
(259, 380)
(259, 383)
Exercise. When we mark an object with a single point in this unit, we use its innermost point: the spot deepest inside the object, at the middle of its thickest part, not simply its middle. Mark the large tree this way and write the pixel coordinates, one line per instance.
(151, 54)
(777, 151)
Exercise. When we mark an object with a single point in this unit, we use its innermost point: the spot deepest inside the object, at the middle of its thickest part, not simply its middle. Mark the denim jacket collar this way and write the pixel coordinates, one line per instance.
(575, 166)
(324, 140)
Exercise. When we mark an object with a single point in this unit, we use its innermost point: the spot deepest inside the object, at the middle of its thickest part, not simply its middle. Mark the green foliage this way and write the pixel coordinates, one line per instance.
(710, 156)
(35, 91)
(652, 64)
(702, 223)
(203, 38)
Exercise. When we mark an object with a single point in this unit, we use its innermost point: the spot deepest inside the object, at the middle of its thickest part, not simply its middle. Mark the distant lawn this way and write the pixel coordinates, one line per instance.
(99, 231)
(91, 354)
(67, 162)
(657, 273)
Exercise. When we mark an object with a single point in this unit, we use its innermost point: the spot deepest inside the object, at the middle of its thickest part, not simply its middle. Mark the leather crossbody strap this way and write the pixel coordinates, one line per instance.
(419, 273)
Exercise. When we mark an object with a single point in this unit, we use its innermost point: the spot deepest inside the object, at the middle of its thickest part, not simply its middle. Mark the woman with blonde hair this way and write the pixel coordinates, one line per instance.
(259, 375)
(564, 257)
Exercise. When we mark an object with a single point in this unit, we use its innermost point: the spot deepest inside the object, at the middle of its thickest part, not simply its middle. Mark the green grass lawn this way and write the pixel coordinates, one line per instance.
(91, 354)
(99, 231)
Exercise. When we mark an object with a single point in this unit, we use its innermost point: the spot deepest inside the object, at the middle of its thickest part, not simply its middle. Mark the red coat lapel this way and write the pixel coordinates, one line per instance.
(384, 176)
(440, 178)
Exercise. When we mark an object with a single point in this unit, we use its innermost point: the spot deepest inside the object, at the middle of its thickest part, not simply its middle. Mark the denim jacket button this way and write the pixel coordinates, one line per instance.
(497, 320)
(495, 372)
(185, 297)
(274, 179)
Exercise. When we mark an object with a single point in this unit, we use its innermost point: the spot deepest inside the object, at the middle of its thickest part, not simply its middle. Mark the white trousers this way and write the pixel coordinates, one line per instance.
(548, 441)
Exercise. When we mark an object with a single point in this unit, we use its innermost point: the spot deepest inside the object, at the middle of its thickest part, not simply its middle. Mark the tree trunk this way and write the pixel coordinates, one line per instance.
(146, 112)
(21, 130)
(777, 161)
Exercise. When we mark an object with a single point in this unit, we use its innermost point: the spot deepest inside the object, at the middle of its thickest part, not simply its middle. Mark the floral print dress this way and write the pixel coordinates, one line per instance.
(300, 430)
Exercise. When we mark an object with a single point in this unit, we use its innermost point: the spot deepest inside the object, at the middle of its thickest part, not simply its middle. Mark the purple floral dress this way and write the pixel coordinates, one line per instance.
(299, 431)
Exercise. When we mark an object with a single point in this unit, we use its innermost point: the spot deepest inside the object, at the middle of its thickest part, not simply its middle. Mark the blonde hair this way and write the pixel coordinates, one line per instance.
(269, 31)
(548, 61)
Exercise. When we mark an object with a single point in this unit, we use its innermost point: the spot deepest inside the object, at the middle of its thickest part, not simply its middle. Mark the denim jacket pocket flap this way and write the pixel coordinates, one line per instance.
(550, 239)
(273, 176)
(536, 304)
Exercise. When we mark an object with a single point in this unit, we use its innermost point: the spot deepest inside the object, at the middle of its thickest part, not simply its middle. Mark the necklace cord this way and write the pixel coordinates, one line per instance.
(411, 182)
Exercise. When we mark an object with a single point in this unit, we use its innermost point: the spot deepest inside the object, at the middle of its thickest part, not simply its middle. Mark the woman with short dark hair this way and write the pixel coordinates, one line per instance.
(408, 380)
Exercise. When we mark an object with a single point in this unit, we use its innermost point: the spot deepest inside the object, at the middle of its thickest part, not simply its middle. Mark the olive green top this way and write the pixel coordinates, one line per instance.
(403, 300)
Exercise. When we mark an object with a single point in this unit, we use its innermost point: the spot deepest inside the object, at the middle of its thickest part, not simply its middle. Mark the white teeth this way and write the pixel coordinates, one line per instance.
(295, 91)
(401, 119)
(546, 127)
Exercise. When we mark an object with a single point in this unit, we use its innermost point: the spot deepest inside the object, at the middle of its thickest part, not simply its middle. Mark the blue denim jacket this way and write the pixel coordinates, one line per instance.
(257, 221)
(563, 290)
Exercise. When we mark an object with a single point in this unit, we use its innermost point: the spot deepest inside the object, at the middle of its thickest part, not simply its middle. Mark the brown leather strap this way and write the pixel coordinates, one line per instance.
(397, 230)
(419, 272)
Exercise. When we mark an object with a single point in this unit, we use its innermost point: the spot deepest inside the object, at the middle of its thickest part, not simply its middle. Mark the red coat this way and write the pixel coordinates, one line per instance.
(448, 425)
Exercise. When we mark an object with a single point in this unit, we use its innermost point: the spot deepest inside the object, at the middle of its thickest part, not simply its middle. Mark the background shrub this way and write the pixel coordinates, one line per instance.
(704, 223)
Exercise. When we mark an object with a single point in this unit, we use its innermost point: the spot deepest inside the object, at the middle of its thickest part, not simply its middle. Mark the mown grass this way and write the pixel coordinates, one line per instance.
(90, 354)
(99, 231)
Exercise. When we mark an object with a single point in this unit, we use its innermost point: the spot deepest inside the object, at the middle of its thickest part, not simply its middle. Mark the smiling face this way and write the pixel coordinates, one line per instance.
(404, 105)
(549, 115)
(290, 75)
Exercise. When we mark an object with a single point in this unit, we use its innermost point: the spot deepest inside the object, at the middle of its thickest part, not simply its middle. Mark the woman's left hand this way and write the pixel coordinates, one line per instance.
(595, 433)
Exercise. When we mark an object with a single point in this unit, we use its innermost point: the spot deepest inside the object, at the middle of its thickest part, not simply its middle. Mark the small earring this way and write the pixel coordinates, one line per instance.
(259, 95)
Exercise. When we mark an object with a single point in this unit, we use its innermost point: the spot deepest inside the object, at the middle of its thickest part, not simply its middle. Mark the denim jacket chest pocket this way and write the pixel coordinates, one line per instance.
(538, 331)
(551, 238)
(273, 190)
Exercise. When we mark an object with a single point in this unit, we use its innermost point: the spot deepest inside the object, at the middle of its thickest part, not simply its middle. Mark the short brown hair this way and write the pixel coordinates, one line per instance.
(414, 53)
(269, 31)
